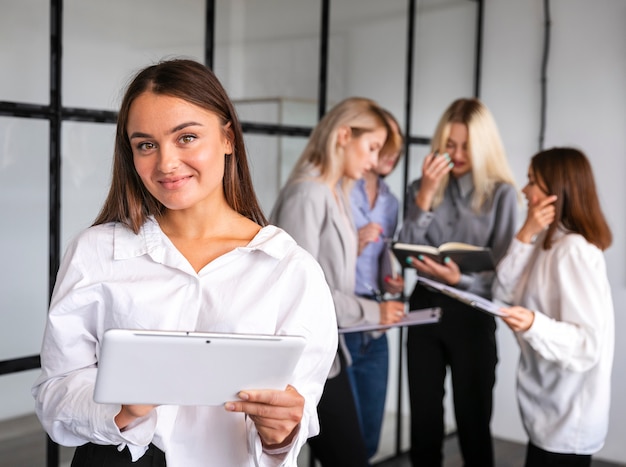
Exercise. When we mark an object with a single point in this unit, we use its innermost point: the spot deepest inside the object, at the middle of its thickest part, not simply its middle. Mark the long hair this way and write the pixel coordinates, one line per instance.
(484, 147)
(567, 173)
(360, 114)
(395, 140)
(128, 201)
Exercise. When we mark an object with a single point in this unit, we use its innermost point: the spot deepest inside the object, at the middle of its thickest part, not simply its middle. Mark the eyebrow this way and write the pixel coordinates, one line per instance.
(138, 134)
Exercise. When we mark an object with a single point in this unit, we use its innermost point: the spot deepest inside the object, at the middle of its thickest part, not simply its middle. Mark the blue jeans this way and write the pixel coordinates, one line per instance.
(368, 377)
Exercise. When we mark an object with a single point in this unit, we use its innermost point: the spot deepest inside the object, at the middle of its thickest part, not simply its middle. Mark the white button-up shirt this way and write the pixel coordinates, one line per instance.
(112, 278)
(564, 375)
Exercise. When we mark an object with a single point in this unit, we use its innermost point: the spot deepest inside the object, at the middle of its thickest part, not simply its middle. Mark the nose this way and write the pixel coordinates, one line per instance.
(453, 152)
(168, 160)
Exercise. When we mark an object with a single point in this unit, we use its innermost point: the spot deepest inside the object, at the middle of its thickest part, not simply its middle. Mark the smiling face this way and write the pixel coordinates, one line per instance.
(456, 147)
(361, 152)
(178, 150)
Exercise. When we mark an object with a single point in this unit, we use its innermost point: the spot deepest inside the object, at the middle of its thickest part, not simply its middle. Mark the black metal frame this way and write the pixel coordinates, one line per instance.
(55, 113)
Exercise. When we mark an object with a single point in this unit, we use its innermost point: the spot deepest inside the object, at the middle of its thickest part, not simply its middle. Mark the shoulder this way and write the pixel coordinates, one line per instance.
(277, 243)
(568, 243)
(505, 195)
(92, 237)
(504, 189)
(311, 194)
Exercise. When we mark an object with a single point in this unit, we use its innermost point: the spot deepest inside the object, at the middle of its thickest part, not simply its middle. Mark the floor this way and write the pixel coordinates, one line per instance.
(23, 444)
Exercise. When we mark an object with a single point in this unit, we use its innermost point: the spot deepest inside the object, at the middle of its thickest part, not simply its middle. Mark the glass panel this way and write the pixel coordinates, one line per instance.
(22, 440)
(23, 236)
(267, 51)
(367, 52)
(445, 41)
(87, 154)
(25, 51)
(271, 159)
(105, 43)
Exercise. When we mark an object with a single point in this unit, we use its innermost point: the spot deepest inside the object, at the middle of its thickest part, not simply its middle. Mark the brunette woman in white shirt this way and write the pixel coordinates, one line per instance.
(555, 275)
(181, 244)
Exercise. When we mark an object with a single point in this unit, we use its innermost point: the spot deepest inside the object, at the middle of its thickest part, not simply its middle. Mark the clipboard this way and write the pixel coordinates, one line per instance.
(471, 299)
(191, 368)
(412, 318)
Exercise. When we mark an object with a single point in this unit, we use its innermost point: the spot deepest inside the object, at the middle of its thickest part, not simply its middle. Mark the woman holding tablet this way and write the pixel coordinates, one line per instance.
(181, 244)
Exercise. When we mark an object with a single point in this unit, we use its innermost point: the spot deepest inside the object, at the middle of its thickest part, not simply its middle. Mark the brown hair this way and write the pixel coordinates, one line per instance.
(128, 201)
(395, 139)
(566, 173)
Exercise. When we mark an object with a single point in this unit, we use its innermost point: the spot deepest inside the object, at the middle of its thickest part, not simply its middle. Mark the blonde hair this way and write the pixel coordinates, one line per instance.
(484, 147)
(322, 152)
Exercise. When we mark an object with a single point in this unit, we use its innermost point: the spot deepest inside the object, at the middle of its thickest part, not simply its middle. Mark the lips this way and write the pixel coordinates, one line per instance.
(174, 183)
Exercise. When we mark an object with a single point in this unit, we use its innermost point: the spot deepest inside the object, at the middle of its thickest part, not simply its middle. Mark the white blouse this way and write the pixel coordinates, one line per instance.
(564, 374)
(112, 278)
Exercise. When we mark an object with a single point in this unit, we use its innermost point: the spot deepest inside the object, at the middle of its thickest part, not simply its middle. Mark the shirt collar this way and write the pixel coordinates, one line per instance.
(150, 240)
(465, 183)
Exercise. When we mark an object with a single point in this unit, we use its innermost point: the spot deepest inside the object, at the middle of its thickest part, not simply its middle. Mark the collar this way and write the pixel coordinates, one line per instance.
(150, 240)
(465, 184)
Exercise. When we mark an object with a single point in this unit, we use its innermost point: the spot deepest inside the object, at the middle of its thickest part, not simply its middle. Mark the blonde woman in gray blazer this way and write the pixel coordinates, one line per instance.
(313, 207)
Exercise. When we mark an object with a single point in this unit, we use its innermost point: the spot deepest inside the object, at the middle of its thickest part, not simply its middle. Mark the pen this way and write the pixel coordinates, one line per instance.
(378, 296)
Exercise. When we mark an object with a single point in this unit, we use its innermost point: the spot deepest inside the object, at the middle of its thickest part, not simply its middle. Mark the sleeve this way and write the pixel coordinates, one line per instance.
(416, 221)
(585, 310)
(64, 390)
(504, 225)
(510, 271)
(308, 310)
(302, 216)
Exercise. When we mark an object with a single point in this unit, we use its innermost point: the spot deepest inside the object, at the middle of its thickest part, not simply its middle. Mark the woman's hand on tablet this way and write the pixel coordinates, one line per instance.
(130, 413)
(276, 414)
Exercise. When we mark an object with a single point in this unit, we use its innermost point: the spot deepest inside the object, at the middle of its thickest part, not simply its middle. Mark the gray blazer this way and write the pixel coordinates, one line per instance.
(308, 211)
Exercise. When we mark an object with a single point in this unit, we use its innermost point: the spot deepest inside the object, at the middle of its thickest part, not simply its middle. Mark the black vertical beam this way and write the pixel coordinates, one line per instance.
(323, 58)
(408, 99)
(209, 33)
(479, 47)
(54, 180)
(544, 72)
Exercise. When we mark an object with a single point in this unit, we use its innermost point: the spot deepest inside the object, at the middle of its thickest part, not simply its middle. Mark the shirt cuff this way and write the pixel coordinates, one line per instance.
(465, 282)
(540, 321)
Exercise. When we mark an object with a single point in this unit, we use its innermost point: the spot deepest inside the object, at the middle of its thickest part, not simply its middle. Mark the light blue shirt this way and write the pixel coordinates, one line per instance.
(385, 213)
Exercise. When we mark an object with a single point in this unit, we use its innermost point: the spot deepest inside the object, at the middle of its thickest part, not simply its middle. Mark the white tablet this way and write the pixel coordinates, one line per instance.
(191, 368)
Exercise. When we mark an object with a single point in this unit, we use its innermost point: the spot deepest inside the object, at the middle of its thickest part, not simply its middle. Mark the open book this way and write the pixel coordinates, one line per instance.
(471, 299)
(469, 258)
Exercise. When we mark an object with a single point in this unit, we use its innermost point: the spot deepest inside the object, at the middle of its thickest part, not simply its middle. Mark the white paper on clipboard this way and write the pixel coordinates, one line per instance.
(412, 318)
(471, 299)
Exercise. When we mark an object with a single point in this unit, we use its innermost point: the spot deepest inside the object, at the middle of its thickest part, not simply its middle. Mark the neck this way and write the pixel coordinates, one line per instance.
(197, 222)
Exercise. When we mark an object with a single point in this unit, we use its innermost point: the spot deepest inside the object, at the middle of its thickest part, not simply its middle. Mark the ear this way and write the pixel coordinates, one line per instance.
(229, 137)
(344, 134)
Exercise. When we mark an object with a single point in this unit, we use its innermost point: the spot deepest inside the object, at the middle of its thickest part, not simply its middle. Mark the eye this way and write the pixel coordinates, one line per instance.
(145, 146)
(187, 138)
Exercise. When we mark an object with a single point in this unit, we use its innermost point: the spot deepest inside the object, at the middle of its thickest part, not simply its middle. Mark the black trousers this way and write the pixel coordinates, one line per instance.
(537, 457)
(97, 455)
(464, 341)
(340, 442)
